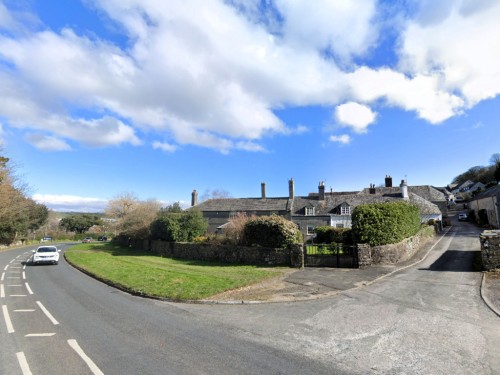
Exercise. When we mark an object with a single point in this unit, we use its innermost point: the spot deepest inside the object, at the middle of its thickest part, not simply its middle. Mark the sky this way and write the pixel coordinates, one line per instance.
(154, 98)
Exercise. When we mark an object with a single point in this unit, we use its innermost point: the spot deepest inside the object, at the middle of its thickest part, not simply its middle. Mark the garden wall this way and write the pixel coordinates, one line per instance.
(401, 251)
(255, 255)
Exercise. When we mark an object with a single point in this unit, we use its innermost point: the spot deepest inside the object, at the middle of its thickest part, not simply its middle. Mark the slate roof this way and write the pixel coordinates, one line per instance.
(491, 192)
(331, 202)
(244, 204)
(425, 191)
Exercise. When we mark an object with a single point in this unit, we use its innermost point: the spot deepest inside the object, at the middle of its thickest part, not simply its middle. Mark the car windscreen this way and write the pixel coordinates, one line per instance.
(47, 250)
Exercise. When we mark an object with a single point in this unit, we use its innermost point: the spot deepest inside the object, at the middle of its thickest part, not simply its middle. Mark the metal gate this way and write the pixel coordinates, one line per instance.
(331, 255)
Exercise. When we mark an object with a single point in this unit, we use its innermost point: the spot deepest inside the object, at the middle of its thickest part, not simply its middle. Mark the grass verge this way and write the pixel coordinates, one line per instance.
(145, 273)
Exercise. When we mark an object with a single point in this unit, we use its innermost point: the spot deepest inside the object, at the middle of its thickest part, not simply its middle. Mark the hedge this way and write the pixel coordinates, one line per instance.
(327, 234)
(385, 223)
(271, 231)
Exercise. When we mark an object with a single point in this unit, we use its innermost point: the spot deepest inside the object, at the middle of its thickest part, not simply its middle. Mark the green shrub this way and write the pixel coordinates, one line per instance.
(385, 223)
(326, 234)
(178, 226)
(271, 231)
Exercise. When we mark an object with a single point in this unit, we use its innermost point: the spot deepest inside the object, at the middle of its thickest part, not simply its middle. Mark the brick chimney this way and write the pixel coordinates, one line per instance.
(321, 191)
(372, 189)
(388, 181)
(404, 190)
(194, 198)
(291, 189)
(263, 190)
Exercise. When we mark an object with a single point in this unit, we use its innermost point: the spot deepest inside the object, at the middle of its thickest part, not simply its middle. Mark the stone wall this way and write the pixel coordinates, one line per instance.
(292, 257)
(399, 252)
(490, 249)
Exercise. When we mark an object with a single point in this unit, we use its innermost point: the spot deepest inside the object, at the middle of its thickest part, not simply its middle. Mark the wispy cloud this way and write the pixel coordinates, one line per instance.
(71, 203)
(343, 139)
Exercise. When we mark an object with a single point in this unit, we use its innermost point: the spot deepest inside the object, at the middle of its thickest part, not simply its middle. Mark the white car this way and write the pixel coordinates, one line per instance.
(46, 254)
(462, 216)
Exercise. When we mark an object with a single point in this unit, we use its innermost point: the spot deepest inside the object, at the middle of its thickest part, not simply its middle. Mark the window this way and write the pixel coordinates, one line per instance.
(310, 229)
(309, 211)
(345, 210)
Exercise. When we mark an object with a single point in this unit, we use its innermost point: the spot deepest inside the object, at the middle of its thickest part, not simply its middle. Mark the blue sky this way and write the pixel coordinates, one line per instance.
(157, 98)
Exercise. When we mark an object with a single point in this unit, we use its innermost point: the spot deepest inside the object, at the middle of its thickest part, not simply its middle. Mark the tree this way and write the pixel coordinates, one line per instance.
(495, 159)
(178, 226)
(79, 223)
(497, 173)
(19, 214)
(215, 194)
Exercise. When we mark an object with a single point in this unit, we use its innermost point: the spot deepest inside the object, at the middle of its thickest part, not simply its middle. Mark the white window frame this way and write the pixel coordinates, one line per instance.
(311, 229)
(345, 210)
(309, 211)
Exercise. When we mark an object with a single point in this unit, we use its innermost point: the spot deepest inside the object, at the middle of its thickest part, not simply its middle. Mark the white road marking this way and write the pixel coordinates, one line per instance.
(17, 295)
(2, 291)
(24, 267)
(12, 277)
(12, 260)
(95, 370)
(24, 275)
(39, 334)
(16, 267)
(46, 312)
(28, 288)
(25, 310)
(23, 363)
(8, 322)
(6, 267)
(14, 285)
(3, 276)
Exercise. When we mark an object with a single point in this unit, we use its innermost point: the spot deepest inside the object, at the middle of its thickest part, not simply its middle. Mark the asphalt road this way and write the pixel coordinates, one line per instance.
(427, 319)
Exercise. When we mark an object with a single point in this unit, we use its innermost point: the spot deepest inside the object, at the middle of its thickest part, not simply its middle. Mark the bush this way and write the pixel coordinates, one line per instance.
(385, 223)
(271, 231)
(178, 226)
(326, 234)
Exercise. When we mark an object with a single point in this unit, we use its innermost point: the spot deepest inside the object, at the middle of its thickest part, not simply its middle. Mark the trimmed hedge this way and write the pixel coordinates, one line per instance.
(385, 223)
(271, 231)
(326, 234)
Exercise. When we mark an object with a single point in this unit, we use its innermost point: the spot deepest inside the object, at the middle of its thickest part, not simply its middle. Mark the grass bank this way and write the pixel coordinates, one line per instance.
(145, 273)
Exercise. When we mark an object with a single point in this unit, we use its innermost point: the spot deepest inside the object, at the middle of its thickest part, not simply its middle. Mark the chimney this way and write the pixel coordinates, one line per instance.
(372, 189)
(321, 191)
(388, 181)
(263, 190)
(291, 189)
(194, 198)
(404, 190)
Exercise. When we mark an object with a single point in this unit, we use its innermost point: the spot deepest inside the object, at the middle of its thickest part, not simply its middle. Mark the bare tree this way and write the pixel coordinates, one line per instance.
(215, 194)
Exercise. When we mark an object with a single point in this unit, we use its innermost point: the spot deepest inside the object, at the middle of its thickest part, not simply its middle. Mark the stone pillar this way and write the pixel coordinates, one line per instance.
(364, 255)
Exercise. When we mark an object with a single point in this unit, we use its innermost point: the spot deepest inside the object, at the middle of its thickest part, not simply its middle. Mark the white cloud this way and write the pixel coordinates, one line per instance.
(343, 139)
(167, 147)
(66, 203)
(48, 143)
(356, 116)
(211, 74)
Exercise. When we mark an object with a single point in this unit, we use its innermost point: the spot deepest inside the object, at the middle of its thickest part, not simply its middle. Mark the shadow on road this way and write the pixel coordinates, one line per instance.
(455, 261)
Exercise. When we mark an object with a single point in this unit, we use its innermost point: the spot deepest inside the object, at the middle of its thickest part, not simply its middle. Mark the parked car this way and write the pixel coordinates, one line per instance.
(462, 216)
(46, 239)
(102, 238)
(46, 254)
(87, 239)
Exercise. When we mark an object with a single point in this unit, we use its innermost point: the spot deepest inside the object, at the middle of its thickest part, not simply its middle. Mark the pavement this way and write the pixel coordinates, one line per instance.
(313, 283)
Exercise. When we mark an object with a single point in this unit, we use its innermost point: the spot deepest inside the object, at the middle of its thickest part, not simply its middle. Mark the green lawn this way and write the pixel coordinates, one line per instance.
(147, 273)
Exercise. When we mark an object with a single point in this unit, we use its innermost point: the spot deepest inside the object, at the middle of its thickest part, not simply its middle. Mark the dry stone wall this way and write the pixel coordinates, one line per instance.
(490, 249)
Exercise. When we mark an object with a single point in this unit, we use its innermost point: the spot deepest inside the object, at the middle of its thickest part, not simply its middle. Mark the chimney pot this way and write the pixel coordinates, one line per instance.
(388, 181)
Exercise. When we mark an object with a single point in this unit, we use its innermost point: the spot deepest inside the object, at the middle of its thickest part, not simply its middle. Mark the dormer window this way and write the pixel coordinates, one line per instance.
(345, 210)
(309, 211)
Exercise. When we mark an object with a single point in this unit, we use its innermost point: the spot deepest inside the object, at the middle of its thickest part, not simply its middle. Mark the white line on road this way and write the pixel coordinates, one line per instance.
(24, 267)
(12, 260)
(39, 334)
(24, 275)
(2, 291)
(95, 370)
(6, 267)
(25, 310)
(14, 285)
(23, 363)
(3, 276)
(8, 322)
(17, 295)
(46, 312)
(28, 288)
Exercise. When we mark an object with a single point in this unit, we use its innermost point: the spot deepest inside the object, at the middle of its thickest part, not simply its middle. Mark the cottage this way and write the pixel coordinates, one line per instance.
(486, 207)
(316, 209)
